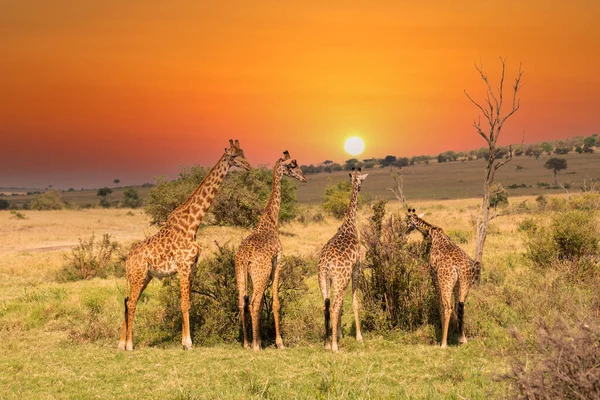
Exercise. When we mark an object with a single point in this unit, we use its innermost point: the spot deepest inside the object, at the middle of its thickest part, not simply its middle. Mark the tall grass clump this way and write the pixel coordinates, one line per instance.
(214, 314)
(93, 258)
(396, 284)
(568, 243)
(564, 363)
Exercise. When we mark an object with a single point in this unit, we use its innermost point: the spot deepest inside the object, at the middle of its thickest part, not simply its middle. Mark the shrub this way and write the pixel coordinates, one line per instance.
(563, 363)
(214, 315)
(240, 200)
(244, 195)
(17, 215)
(499, 196)
(569, 244)
(93, 258)
(575, 234)
(4, 204)
(395, 282)
(49, 200)
(131, 198)
(542, 201)
(337, 198)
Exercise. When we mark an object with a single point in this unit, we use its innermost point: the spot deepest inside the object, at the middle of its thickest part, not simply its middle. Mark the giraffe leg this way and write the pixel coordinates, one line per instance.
(355, 276)
(325, 285)
(338, 302)
(276, 304)
(463, 291)
(446, 289)
(185, 279)
(137, 287)
(258, 290)
(241, 275)
(123, 337)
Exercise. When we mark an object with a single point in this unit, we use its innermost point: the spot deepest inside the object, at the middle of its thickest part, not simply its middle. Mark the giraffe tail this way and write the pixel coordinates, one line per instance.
(476, 272)
(126, 309)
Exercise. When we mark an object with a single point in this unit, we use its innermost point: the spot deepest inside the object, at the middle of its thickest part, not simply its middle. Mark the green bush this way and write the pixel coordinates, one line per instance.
(4, 204)
(568, 244)
(575, 234)
(131, 198)
(93, 258)
(167, 195)
(244, 195)
(240, 201)
(214, 314)
(499, 197)
(337, 198)
(395, 283)
(49, 200)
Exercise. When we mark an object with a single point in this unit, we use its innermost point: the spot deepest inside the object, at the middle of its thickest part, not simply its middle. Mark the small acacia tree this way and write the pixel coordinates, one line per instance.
(495, 119)
(556, 164)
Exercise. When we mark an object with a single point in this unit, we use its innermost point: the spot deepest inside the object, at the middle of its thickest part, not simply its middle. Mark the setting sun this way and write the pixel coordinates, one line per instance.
(354, 146)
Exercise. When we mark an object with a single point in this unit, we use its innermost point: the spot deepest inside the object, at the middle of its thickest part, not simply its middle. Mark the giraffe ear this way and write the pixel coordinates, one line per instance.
(421, 215)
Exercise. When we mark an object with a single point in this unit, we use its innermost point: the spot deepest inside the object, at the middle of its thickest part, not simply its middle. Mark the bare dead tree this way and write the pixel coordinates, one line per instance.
(398, 191)
(495, 119)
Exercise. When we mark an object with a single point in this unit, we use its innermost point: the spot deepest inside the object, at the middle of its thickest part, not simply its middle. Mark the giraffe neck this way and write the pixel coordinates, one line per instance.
(350, 216)
(189, 215)
(434, 233)
(424, 227)
(270, 216)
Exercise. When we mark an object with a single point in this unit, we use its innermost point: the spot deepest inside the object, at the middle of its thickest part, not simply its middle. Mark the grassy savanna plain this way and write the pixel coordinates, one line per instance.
(58, 339)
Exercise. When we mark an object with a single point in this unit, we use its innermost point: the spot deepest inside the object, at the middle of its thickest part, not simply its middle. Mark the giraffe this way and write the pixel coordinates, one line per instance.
(173, 249)
(259, 256)
(338, 263)
(451, 269)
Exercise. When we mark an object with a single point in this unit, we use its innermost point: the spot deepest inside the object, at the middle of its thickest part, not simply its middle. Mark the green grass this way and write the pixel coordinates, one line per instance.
(377, 369)
(58, 340)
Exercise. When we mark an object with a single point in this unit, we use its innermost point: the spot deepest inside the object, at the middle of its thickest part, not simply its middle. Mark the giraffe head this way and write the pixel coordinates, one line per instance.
(235, 156)
(291, 167)
(414, 221)
(356, 178)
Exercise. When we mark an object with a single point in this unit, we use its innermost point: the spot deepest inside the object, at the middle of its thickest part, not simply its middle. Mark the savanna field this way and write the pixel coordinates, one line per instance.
(58, 336)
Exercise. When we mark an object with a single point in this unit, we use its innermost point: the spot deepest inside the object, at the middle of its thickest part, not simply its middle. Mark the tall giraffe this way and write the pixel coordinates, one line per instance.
(338, 263)
(450, 266)
(173, 249)
(260, 256)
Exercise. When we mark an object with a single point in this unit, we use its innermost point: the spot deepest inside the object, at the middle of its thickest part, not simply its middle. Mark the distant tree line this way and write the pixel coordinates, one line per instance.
(579, 144)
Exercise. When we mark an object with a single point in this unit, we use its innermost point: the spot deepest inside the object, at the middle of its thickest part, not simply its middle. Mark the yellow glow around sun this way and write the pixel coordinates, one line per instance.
(354, 146)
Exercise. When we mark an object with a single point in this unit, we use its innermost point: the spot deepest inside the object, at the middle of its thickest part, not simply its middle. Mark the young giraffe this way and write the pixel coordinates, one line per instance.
(450, 266)
(260, 256)
(173, 249)
(339, 261)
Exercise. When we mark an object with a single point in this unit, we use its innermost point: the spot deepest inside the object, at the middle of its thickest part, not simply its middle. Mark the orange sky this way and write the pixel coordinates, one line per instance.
(92, 91)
